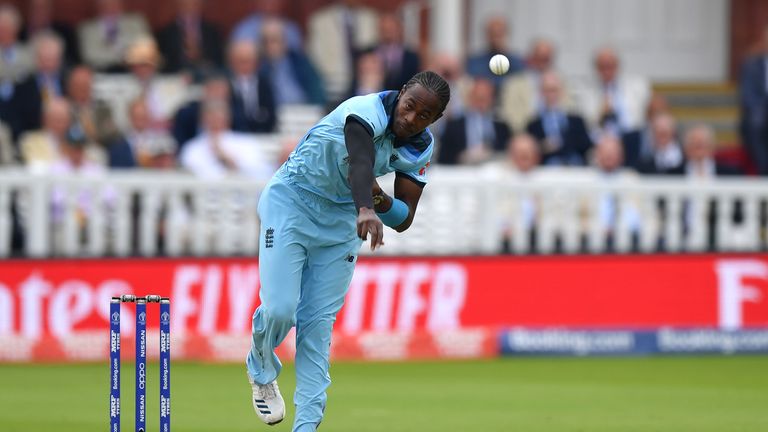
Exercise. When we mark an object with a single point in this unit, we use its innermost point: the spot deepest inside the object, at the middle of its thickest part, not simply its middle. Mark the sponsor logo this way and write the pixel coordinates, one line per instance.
(114, 406)
(142, 377)
(269, 238)
(142, 318)
(350, 258)
(423, 169)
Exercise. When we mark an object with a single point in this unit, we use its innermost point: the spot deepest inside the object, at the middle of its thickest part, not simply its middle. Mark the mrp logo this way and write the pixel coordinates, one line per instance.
(742, 286)
(142, 318)
(165, 318)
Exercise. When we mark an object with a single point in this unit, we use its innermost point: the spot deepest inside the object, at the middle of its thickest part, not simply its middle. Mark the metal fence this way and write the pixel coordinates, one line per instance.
(462, 212)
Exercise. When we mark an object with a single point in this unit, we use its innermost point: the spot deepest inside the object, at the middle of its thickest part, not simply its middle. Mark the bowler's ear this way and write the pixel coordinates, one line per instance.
(437, 117)
(401, 92)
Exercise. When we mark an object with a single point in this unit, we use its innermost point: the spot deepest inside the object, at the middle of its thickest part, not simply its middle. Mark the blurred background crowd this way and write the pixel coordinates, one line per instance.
(196, 90)
(118, 88)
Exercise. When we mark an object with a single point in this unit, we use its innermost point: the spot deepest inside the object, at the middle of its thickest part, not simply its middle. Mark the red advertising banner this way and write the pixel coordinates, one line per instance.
(394, 305)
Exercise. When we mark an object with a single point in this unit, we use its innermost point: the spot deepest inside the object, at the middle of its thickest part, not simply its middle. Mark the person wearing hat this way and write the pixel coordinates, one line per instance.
(162, 96)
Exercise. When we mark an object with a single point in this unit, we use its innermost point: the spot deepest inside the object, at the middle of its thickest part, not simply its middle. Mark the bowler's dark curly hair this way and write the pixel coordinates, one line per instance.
(434, 83)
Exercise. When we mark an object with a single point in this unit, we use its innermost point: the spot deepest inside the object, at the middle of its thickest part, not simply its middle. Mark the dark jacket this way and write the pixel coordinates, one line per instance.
(170, 40)
(265, 119)
(574, 138)
(454, 139)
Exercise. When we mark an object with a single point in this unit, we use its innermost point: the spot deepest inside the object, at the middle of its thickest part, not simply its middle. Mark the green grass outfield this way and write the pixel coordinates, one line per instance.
(523, 394)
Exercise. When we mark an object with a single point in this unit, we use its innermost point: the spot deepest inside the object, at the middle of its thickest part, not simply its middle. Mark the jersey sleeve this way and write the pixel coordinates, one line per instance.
(369, 111)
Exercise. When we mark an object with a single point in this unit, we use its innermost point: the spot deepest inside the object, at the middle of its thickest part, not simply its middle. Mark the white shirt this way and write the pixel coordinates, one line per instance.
(198, 157)
(668, 157)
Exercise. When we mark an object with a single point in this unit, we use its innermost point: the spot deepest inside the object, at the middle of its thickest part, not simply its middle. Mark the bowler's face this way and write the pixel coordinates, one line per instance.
(416, 109)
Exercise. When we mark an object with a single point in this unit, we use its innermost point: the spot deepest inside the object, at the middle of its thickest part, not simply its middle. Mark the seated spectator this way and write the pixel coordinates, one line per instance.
(94, 116)
(41, 148)
(186, 123)
(44, 84)
(294, 78)
(219, 152)
(337, 33)
(132, 150)
(700, 163)
(496, 42)
(639, 148)
(562, 136)
(252, 103)
(400, 62)
(667, 155)
(614, 102)
(16, 63)
(609, 160)
(753, 92)
(251, 27)
(40, 19)
(143, 59)
(451, 68)
(521, 99)
(190, 43)
(105, 39)
(477, 136)
(370, 76)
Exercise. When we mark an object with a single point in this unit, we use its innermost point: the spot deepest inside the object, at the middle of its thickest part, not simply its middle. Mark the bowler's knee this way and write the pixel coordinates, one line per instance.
(282, 313)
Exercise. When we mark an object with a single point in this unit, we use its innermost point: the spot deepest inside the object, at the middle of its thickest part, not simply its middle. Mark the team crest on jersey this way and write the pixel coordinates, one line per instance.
(394, 157)
(269, 238)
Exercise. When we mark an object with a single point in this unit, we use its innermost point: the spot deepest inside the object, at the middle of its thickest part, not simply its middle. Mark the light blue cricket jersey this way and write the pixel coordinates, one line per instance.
(320, 163)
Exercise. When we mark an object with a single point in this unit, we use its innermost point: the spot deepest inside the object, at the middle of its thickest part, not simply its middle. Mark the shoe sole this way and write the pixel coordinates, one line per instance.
(274, 423)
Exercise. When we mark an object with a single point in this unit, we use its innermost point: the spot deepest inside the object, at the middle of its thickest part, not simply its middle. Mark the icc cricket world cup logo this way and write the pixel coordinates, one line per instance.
(142, 317)
(165, 318)
(115, 318)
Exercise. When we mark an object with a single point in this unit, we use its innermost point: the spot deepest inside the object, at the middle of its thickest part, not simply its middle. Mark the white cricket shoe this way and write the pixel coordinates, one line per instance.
(267, 402)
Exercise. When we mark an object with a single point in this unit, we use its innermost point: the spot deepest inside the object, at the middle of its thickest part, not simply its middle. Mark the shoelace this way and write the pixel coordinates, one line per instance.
(267, 391)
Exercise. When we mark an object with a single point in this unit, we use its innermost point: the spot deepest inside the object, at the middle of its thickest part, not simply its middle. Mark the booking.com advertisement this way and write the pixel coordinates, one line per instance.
(406, 307)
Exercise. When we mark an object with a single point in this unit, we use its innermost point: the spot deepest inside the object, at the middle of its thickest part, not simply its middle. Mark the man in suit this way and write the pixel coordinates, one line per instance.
(105, 39)
(252, 103)
(250, 28)
(187, 123)
(40, 19)
(137, 147)
(497, 40)
(520, 98)
(754, 107)
(400, 62)
(294, 79)
(562, 136)
(190, 43)
(15, 64)
(666, 155)
(46, 83)
(92, 115)
(477, 135)
(614, 102)
(336, 34)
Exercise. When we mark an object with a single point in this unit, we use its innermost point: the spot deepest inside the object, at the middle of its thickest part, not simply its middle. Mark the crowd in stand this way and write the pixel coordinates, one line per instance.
(48, 105)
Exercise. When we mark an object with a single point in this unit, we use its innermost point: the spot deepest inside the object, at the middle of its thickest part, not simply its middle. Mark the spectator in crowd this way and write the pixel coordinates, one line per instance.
(700, 145)
(562, 136)
(137, 147)
(337, 33)
(189, 43)
(496, 42)
(518, 214)
(162, 97)
(105, 39)
(15, 64)
(754, 107)
(700, 165)
(521, 98)
(186, 123)
(667, 155)
(252, 101)
(251, 27)
(94, 116)
(400, 62)
(637, 152)
(294, 78)
(42, 147)
(40, 19)
(451, 68)
(614, 102)
(219, 151)
(477, 136)
(609, 161)
(370, 76)
(44, 84)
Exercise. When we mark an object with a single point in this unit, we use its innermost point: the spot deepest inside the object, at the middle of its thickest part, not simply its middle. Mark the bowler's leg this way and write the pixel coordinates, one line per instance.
(325, 284)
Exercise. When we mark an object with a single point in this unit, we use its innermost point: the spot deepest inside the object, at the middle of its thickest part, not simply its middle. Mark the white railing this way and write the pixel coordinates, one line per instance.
(462, 212)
